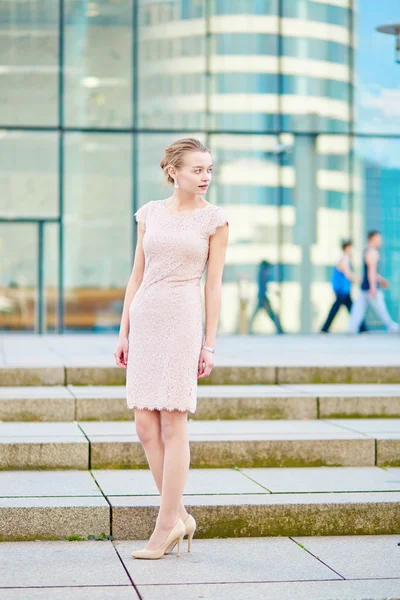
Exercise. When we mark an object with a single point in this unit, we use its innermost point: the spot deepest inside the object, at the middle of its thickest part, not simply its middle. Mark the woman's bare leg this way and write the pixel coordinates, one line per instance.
(148, 429)
(176, 466)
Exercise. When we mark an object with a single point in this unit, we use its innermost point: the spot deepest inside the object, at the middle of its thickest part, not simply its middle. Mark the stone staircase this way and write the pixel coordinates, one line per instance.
(275, 450)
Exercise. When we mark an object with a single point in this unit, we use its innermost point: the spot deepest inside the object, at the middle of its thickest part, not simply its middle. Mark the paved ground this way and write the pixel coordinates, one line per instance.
(357, 567)
(316, 349)
(280, 568)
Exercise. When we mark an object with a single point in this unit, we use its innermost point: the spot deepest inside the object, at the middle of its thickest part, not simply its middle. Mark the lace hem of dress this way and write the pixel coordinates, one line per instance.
(169, 408)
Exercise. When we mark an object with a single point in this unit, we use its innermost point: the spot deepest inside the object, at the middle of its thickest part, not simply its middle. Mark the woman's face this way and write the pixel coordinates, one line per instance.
(194, 176)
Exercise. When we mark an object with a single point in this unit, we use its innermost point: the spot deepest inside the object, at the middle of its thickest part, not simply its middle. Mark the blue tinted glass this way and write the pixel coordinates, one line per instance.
(237, 83)
(245, 43)
(333, 162)
(249, 7)
(260, 195)
(316, 11)
(313, 86)
(192, 9)
(335, 200)
(287, 196)
(377, 92)
(244, 121)
(315, 49)
(318, 123)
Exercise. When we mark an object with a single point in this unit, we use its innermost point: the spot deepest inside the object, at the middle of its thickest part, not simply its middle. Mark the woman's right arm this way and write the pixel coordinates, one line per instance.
(135, 279)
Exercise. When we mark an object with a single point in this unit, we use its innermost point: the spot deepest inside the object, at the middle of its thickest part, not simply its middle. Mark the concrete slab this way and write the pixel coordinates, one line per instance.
(249, 391)
(345, 390)
(325, 479)
(218, 427)
(299, 590)
(52, 403)
(289, 349)
(217, 451)
(216, 561)
(60, 564)
(12, 375)
(108, 428)
(261, 427)
(304, 373)
(47, 484)
(32, 430)
(41, 452)
(374, 374)
(258, 515)
(88, 374)
(371, 407)
(100, 403)
(240, 374)
(98, 391)
(23, 519)
(35, 392)
(248, 402)
(65, 593)
(393, 472)
(388, 449)
(368, 426)
(200, 481)
(357, 557)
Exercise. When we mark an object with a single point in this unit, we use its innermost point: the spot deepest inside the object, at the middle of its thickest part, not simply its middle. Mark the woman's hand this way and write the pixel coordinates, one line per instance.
(121, 352)
(206, 363)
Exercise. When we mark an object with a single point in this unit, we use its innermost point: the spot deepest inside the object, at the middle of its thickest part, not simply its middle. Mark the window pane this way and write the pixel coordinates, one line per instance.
(377, 91)
(172, 65)
(246, 182)
(98, 63)
(316, 75)
(378, 178)
(318, 219)
(98, 229)
(19, 292)
(29, 174)
(29, 62)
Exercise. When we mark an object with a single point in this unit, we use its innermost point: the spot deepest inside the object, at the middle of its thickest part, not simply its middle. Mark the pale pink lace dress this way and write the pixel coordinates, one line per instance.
(166, 320)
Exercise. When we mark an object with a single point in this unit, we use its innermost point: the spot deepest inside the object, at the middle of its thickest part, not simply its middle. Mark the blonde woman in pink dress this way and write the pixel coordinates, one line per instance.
(162, 342)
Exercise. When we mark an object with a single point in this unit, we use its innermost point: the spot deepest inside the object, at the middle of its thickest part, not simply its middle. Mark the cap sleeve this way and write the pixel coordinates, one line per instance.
(141, 213)
(218, 219)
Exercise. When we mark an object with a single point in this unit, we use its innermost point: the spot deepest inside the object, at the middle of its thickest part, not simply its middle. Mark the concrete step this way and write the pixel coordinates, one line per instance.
(225, 502)
(214, 444)
(234, 373)
(108, 403)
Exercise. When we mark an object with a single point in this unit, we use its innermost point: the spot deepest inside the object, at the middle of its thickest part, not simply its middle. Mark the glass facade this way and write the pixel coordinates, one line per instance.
(302, 120)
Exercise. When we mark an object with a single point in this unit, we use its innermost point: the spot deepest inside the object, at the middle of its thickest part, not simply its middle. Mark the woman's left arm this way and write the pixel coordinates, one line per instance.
(212, 292)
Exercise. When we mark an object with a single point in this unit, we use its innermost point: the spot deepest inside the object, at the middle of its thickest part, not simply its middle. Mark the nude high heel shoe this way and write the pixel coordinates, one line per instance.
(174, 536)
(190, 528)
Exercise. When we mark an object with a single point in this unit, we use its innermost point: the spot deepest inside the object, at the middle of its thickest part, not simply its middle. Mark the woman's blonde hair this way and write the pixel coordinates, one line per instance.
(174, 154)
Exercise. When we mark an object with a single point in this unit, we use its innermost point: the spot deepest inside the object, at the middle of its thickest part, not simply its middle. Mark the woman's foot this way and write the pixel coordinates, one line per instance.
(182, 513)
(160, 534)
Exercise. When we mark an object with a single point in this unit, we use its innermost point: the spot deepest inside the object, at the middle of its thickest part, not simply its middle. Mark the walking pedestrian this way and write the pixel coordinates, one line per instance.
(342, 277)
(371, 288)
(162, 342)
(264, 276)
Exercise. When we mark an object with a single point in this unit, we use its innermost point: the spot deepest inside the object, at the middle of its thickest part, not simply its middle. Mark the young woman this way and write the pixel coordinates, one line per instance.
(162, 343)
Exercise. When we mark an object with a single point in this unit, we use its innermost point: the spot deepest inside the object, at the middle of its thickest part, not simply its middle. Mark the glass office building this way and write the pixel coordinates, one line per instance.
(298, 101)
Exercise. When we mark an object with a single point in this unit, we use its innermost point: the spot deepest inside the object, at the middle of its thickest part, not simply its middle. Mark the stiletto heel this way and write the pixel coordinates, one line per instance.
(175, 535)
(190, 541)
(179, 547)
(190, 528)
